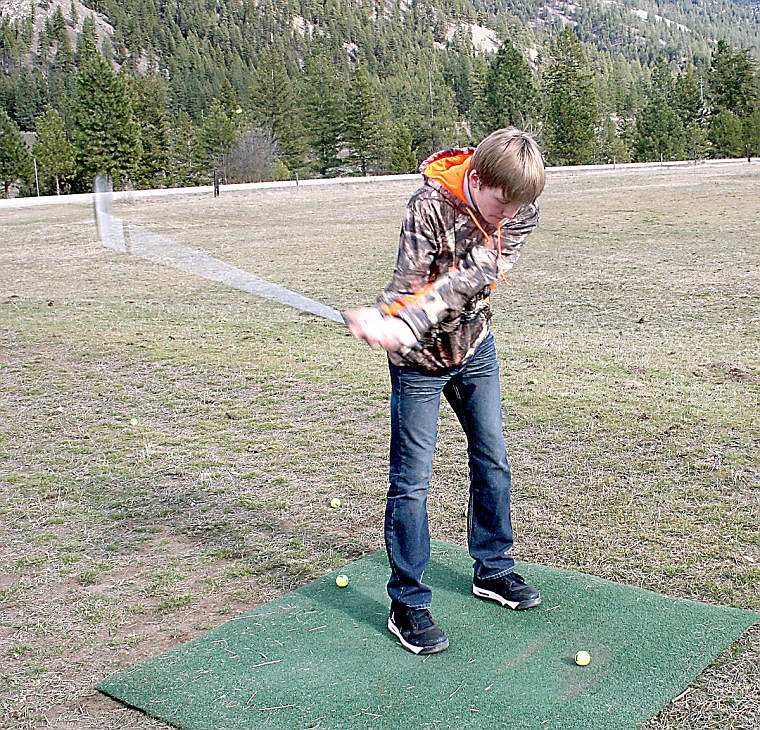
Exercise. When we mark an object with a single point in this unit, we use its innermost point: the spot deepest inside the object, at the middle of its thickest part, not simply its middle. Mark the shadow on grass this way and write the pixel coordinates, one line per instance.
(362, 606)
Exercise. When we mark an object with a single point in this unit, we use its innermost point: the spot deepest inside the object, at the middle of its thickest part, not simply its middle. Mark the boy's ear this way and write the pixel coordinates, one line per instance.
(474, 179)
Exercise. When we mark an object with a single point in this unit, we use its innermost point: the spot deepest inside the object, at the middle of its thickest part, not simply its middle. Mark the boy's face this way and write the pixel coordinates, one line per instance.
(492, 204)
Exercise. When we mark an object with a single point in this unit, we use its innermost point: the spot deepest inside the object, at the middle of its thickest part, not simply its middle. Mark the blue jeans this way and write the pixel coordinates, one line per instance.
(474, 393)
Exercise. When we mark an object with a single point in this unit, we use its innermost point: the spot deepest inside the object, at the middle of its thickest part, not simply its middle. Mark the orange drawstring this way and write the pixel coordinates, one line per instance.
(502, 276)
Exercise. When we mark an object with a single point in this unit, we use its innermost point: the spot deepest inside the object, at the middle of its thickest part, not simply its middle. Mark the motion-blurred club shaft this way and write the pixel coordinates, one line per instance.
(128, 238)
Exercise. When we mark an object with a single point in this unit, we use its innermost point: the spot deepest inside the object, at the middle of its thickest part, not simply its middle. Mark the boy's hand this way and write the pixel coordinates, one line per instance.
(379, 332)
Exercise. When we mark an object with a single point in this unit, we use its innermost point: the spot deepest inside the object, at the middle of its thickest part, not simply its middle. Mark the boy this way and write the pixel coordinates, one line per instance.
(462, 230)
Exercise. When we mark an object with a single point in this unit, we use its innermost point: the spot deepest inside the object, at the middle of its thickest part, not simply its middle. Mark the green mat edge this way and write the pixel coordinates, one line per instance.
(751, 618)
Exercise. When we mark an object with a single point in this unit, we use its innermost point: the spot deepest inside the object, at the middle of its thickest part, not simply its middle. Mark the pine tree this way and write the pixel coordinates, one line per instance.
(323, 110)
(15, 160)
(402, 159)
(183, 141)
(228, 99)
(687, 98)
(688, 104)
(733, 81)
(571, 103)
(106, 133)
(28, 96)
(215, 139)
(439, 108)
(365, 132)
(55, 155)
(87, 43)
(459, 69)
(150, 107)
(659, 129)
(752, 131)
(726, 134)
(422, 101)
(64, 56)
(61, 81)
(273, 100)
(59, 24)
(734, 91)
(509, 97)
(613, 145)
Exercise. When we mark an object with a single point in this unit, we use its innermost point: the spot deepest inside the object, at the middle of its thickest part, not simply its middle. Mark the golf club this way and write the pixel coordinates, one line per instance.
(118, 235)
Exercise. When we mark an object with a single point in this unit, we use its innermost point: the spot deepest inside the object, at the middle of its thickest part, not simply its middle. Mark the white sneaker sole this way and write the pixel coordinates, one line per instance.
(491, 596)
(416, 649)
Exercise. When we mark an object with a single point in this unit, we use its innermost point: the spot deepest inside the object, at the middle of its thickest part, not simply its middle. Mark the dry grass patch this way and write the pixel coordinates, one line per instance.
(170, 446)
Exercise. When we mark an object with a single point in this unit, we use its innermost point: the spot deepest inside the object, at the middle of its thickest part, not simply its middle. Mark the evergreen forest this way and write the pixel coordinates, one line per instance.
(166, 93)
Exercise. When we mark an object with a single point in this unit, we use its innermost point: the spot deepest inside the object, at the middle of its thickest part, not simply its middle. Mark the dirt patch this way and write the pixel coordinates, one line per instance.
(735, 372)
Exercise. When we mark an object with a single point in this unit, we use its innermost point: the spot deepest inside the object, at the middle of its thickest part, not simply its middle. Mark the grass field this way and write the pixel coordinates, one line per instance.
(170, 446)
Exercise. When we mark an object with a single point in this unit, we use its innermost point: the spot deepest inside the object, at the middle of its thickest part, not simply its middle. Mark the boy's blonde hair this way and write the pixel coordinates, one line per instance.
(511, 159)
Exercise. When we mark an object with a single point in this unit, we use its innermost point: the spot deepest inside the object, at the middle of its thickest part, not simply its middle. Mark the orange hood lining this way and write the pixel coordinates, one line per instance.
(449, 171)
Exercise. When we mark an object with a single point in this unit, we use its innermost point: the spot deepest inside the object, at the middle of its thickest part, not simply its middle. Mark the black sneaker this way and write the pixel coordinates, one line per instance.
(508, 590)
(415, 629)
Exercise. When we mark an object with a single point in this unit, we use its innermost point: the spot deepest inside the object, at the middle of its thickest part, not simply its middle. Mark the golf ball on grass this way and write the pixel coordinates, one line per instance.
(582, 658)
(133, 421)
(341, 581)
(335, 503)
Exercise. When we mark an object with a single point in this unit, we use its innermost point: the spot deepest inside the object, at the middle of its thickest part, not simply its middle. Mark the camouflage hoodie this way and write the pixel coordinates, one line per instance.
(449, 260)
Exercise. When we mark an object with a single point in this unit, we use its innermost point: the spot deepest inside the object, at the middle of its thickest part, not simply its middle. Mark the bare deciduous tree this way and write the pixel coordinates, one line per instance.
(252, 157)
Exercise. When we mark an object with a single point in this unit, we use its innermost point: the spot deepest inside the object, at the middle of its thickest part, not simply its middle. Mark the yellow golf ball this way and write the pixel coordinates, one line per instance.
(582, 658)
(341, 581)
(335, 503)
(133, 422)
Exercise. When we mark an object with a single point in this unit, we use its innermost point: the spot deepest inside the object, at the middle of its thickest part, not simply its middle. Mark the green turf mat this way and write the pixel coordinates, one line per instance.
(321, 656)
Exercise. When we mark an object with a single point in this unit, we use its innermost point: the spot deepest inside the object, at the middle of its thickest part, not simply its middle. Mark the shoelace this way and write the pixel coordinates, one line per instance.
(511, 579)
(421, 618)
